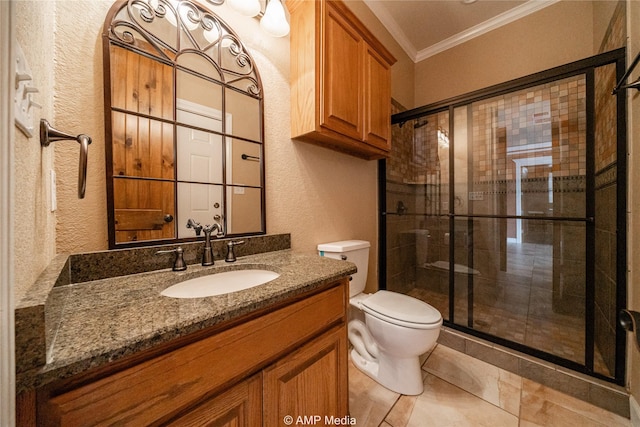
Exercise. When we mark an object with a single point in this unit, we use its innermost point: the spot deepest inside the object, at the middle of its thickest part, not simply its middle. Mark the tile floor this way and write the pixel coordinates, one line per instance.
(463, 391)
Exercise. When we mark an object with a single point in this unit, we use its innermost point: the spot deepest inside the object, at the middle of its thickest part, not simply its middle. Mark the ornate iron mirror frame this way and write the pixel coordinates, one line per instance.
(127, 26)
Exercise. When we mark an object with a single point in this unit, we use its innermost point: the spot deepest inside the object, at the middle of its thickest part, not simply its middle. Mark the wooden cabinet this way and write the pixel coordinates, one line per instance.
(340, 80)
(239, 406)
(311, 382)
(300, 349)
(377, 124)
(341, 101)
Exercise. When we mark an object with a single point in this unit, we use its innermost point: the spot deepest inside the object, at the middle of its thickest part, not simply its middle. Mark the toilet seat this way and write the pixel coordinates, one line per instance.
(401, 310)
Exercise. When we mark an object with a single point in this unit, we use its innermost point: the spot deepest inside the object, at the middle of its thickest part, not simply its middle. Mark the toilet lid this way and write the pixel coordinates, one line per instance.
(403, 308)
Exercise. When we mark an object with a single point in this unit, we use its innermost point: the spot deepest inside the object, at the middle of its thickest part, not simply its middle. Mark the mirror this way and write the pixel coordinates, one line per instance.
(184, 124)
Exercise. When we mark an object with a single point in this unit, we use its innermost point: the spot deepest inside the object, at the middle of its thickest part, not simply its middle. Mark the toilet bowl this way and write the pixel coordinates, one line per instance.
(389, 331)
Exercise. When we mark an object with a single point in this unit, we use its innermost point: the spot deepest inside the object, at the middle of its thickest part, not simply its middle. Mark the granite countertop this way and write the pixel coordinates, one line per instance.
(93, 323)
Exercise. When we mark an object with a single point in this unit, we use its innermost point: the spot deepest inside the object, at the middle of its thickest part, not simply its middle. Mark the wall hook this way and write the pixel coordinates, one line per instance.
(25, 89)
(48, 135)
(34, 104)
(22, 77)
(630, 321)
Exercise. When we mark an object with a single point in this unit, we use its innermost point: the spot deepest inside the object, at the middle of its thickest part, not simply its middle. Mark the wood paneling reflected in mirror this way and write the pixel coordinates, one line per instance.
(184, 124)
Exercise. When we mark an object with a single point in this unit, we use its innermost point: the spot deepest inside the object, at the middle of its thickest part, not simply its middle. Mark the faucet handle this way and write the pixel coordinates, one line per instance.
(178, 264)
(231, 256)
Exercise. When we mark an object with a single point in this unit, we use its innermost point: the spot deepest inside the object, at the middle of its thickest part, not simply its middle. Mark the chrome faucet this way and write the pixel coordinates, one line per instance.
(207, 254)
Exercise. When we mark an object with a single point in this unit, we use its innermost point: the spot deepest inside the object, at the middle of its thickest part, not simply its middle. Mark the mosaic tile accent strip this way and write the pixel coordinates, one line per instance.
(607, 176)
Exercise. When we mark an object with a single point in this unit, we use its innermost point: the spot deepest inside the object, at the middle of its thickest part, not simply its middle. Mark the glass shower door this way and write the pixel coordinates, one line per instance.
(506, 213)
(520, 180)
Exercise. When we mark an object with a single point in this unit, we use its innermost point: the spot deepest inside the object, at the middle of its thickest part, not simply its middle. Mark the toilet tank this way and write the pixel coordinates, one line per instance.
(355, 251)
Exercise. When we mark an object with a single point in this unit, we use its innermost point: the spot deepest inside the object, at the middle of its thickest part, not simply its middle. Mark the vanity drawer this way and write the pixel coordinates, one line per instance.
(155, 390)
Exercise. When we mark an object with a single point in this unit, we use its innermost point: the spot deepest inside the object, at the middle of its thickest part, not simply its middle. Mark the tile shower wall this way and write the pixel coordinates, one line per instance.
(521, 126)
(605, 218)
(415, 158)
(401, 245)
(414, 177)
(606, 192)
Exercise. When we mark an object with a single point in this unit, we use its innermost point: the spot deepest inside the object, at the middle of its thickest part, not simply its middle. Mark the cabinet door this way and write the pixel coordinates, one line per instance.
(240, 406)
(341, 103)
(311, 382)
(377, 94)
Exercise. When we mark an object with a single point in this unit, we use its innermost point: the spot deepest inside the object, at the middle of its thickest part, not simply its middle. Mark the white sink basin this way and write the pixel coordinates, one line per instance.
(219, 283)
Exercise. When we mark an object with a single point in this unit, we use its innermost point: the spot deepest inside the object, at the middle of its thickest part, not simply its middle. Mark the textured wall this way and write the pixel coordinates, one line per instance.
(602, 14)
(81, 223)
(34, 223)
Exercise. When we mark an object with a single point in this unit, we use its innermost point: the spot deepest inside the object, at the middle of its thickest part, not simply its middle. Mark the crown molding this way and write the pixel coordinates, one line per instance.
(392, 26)
(498, 21)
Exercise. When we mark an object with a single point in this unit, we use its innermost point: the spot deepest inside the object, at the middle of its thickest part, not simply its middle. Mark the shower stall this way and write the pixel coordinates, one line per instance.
(505, 210)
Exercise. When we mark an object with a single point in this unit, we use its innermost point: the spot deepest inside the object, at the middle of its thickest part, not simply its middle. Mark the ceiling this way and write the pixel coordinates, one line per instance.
(426, 27)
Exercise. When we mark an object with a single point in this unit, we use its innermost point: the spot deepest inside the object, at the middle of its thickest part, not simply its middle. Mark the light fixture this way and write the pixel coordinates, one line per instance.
(274, 18)
(246, 7)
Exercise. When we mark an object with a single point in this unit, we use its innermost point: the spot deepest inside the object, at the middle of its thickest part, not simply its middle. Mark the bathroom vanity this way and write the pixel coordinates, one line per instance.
(119, 353)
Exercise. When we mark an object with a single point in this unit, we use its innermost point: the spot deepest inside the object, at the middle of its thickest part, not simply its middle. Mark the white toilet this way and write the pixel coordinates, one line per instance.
(397, 328)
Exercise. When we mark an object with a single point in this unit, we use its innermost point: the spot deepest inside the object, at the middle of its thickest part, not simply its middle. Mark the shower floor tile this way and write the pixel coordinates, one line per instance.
(557, 334)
